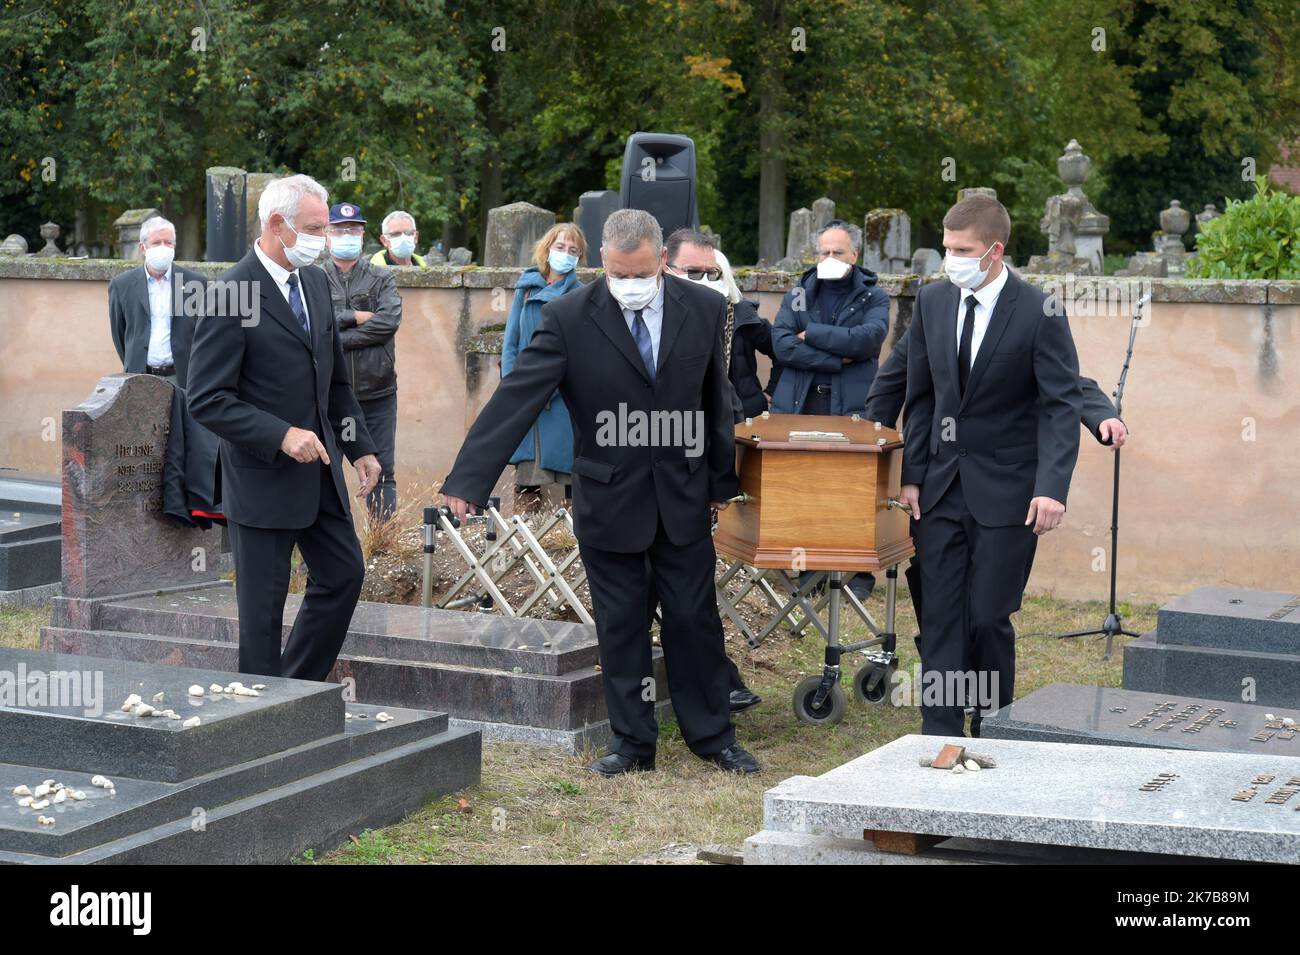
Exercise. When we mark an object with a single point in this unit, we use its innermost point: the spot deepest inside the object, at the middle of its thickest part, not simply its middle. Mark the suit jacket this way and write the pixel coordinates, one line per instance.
(189, 467)
(1014, 435)
(621, 489)
(889, 390)
(253, 374)
(128, 320)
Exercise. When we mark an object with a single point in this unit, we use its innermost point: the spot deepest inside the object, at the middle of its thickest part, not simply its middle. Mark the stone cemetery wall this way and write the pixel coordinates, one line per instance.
(1213, 401)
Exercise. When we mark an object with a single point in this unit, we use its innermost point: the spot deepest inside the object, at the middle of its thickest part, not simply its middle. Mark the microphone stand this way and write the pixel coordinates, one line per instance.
(1114, 623)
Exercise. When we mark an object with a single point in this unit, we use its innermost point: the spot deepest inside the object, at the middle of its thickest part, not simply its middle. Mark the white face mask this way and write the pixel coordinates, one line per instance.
(307, 249)
(831, 269)
(634, 293)
(964, 271)
(159, 257)
(717, 285)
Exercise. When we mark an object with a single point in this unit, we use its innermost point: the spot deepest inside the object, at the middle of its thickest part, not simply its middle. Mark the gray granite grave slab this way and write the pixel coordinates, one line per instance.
(384, 630)
(1098, 797)
(31, 540)
(524, 680)
(273, 823)
(1069, 713)
(351, 770)
(136, 805)
(77, 719)
(1211, 673)
(1232, 618)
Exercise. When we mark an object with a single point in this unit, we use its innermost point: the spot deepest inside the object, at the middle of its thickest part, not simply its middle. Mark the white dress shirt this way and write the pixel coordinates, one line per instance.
(160, 318)
(653, 316)
(985, 301)
(280, 276)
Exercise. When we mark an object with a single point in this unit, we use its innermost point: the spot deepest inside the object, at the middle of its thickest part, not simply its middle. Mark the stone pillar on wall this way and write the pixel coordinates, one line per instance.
(128, 231)
(254, 185)
(512, 231)
(887, 240)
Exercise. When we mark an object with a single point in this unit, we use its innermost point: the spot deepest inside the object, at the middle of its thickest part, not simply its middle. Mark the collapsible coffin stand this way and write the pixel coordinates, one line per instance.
(510, 544)
(829, 506)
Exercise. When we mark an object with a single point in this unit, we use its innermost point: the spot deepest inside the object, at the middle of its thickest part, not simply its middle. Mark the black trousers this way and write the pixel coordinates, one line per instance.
(974, 579)
(913, 573)
(691, 637)
(335, 572)
(734, 680)
(381, 422)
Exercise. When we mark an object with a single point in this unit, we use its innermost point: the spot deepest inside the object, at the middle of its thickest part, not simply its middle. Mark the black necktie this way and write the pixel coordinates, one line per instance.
(963, 352)
(295, 303)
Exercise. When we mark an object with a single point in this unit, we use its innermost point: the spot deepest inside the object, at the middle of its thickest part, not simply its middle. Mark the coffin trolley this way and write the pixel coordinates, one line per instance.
(818, 493)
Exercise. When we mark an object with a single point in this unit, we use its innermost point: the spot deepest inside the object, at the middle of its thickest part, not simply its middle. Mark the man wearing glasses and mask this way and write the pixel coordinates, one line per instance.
(400, 237)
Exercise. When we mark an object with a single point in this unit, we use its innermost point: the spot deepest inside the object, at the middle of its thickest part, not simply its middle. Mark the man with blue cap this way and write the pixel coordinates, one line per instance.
(368, 311)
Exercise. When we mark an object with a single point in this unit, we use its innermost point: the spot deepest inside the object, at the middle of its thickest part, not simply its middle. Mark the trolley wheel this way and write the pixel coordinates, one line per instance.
(882, 692)
(831, 711)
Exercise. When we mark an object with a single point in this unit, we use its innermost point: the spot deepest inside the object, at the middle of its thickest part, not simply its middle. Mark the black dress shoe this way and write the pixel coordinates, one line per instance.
(615, 764)
(743, 699)
(734, 759)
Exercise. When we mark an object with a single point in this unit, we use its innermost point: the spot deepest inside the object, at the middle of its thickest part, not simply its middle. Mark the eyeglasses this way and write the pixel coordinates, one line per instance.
(409, 233)
(350, 230)
(713, 275)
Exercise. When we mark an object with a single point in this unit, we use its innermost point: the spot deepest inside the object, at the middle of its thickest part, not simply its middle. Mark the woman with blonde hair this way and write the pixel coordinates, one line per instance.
(545, 455)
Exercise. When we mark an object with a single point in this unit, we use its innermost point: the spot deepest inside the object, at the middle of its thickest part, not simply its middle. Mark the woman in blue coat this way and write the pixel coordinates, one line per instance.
(545, 455)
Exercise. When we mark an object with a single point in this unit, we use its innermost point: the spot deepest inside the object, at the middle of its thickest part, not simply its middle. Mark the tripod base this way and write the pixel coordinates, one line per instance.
(1114, 626)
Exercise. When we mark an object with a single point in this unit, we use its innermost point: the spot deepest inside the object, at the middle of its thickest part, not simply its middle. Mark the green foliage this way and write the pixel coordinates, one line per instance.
(1258, 238)
(446, 107)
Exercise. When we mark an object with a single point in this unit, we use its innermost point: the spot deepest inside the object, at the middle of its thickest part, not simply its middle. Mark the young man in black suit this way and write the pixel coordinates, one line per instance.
(885, 404)
(638, 358)
(267, 376)
(992, 434)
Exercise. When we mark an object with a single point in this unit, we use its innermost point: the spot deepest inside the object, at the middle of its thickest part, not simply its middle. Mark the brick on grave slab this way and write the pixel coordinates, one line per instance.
(949, 756)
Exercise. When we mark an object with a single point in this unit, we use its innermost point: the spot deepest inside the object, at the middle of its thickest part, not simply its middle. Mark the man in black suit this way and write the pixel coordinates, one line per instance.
(992, 435)
(885, 404)
(151, 334)
(638, 358)
(267, 375)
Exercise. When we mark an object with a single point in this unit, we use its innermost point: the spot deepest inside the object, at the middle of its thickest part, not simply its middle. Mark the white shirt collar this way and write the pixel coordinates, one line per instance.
(278, 272)
(166, 276)
(988, 295)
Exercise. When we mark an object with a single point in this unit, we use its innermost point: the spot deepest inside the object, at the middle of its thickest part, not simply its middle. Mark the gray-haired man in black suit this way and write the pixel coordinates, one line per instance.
(270, 380)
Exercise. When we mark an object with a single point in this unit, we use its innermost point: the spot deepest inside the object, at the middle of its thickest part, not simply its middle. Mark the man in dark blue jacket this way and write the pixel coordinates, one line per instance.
(829, 330)
(828, 335)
